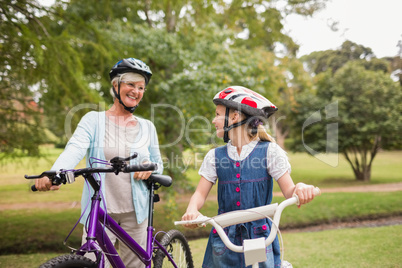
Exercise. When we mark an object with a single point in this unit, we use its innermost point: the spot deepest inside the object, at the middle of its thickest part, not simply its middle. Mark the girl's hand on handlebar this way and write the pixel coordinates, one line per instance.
(188, 216)
(45, 184)
(304, 192)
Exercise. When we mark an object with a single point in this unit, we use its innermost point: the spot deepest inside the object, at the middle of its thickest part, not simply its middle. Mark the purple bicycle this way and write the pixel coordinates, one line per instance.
(172, 250)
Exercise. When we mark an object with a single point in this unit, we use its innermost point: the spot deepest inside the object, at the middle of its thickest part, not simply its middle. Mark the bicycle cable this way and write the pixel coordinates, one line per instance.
(75, 226)
(97, 161)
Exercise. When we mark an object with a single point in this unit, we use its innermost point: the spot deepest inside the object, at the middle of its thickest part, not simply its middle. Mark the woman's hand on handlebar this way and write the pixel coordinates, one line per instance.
(45, 184)
(142, 175)
(304, 192)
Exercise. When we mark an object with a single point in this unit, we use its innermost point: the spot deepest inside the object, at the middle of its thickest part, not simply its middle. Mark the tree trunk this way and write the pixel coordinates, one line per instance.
(280, 140)
(361, 169)
(364, 175)
(280, 136)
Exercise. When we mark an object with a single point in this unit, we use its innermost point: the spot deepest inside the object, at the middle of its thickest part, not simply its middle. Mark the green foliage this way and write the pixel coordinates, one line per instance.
(20, 34)
(62, 55)
(39, 63)
(332, 60)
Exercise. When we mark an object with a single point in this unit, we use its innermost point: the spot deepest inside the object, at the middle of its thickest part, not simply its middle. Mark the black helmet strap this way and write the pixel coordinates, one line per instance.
(226, 128)
(130, 109)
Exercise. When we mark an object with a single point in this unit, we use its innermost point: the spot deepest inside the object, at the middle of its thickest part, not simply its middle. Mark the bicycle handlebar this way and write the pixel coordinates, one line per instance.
(242, 216)
(63, 176)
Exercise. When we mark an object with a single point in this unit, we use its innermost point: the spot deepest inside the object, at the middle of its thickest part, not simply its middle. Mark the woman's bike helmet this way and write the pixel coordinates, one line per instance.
(129, 65)
(246, 101)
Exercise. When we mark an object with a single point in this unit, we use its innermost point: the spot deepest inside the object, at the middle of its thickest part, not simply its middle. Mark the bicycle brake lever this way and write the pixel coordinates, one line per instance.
(119, 162)
(131, 157)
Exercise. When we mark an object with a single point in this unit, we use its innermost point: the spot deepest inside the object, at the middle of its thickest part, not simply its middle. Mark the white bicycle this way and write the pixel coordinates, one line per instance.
(253, 249)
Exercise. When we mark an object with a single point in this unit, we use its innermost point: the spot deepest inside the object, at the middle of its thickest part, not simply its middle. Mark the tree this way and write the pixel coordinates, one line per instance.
(321, 61)
(396, 63)
(42, 76)
(295, 82)
(20, 116)
(76, 42)
(369, 114)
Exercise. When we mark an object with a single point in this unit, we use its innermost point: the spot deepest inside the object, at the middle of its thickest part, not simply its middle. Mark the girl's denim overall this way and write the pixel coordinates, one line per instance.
(242, 185)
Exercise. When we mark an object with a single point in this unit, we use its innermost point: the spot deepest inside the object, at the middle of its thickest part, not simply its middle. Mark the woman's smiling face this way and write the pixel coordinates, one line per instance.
(131, 93)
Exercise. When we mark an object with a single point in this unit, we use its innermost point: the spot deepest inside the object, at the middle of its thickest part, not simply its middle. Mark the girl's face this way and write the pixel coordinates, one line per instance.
(131, 92)
(219, 120)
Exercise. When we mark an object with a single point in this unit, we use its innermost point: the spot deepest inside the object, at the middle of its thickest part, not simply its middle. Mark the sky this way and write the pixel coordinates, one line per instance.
(376, 24)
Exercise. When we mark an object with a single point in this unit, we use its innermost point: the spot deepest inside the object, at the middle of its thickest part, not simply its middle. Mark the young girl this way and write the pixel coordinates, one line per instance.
(244, 170)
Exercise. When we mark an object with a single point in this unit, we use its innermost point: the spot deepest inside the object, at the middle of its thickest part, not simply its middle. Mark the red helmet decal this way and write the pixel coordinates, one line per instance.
(248, 101)
(225, 92)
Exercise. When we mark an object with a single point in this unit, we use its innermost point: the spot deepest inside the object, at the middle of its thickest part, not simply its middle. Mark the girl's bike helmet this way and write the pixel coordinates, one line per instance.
(246, 101)
(129, 65)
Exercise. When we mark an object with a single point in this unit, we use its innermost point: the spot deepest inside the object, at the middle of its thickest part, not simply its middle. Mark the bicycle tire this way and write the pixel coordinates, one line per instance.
(177, 246)
(69, 261)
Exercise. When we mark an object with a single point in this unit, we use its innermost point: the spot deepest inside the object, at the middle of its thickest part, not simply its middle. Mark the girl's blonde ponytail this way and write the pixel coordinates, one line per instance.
(263, 135)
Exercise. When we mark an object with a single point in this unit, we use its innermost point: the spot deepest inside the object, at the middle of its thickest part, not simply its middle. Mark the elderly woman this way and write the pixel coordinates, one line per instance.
(117, 132)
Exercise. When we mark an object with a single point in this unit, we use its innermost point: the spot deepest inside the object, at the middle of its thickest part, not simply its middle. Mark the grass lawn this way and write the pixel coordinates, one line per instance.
(385, 169)
(44, 230)
(358, 247)
(31, 232)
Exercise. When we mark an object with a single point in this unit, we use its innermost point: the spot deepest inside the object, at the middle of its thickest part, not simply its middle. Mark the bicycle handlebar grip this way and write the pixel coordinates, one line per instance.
(46, 173)
(33, 188)
(141, 167)
(317, 191)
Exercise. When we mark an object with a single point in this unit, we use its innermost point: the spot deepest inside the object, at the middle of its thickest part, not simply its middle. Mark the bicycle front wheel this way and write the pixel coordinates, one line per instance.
(69, 261)
(177, 247)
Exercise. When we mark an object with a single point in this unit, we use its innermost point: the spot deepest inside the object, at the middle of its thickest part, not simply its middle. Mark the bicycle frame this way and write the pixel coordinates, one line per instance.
(172, 245)
(98, 220)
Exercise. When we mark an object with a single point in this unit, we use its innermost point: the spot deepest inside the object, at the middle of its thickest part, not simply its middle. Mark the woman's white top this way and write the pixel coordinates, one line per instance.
(118, 141)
